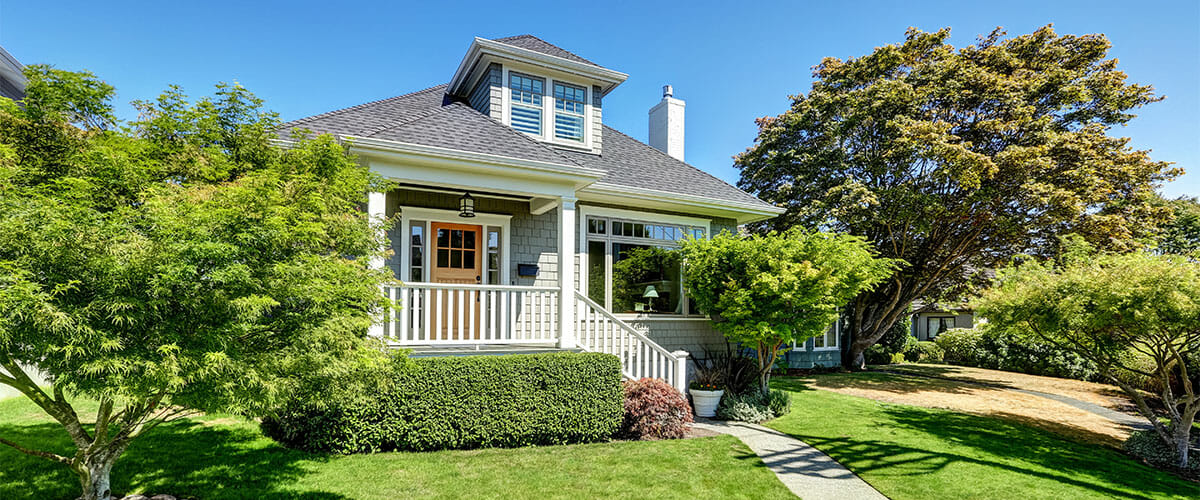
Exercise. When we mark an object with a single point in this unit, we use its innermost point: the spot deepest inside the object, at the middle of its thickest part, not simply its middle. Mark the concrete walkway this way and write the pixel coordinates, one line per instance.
(807, 472)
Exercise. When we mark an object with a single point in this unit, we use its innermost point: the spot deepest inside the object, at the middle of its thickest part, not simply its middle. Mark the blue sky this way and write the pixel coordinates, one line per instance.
(731, 61)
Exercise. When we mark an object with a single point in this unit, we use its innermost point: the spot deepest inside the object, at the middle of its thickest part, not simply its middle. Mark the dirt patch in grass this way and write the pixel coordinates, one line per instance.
(1028, 409)
(1105, 395)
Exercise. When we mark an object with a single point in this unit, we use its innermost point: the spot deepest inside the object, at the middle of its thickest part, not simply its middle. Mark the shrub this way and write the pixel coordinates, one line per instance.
(924, 352)
(962, 346)
(897, 358)
(878, 355)
(744, 408)
(988, 347)
(654, 410)
(465, 402)
(780, 402)
(1148, 446)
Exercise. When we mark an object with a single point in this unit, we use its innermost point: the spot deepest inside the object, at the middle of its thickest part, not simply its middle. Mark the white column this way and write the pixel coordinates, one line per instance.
(566, 273)
(377, 211)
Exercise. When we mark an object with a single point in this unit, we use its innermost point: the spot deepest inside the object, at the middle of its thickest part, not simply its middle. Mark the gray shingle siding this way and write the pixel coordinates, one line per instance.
(481, 96)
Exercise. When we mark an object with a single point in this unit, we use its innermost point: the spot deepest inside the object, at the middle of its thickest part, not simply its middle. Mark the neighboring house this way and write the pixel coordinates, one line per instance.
(12, 78)
(524, 223)
(934, 319)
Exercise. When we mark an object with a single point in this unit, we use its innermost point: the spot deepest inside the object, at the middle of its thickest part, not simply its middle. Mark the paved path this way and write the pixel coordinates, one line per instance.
(1136, 422)
(807, 472)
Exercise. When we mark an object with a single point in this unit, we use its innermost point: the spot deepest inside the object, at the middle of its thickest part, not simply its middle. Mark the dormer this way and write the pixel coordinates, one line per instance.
(538, 89)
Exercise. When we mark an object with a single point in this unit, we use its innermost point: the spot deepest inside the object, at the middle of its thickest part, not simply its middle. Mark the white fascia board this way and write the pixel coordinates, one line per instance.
(454, 168)
(662, 200)
(482, 47)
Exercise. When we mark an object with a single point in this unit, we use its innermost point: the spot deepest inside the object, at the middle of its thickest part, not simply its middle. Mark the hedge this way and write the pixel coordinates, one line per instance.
(467, 402)
(997, 349)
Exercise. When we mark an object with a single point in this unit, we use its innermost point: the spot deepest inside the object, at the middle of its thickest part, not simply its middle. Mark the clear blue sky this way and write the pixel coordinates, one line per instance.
(731, 61)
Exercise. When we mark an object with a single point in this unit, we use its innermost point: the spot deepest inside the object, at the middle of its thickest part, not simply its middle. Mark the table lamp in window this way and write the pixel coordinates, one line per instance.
(651, 294)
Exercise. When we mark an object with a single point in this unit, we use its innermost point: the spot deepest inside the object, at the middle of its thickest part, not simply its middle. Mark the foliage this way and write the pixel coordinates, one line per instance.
(988, 346)
(780, 402)
(767, 290)
(924, 352)
(1109, 309)
(893, 348)
(654, 410)
(180, 262)
(1147, 446)
(709, 374)
(1182, 235)
(736, 368)
(954, 160)
(747, 407)
(465, 402)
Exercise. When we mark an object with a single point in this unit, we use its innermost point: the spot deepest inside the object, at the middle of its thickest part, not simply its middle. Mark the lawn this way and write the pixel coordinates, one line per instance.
(223, 457)
(911, 452)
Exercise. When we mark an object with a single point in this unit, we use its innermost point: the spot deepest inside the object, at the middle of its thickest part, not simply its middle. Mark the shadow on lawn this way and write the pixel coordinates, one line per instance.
(1090, 467)
(184, 458)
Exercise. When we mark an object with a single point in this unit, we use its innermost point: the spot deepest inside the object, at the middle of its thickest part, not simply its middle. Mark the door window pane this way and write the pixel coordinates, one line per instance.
(595, 280)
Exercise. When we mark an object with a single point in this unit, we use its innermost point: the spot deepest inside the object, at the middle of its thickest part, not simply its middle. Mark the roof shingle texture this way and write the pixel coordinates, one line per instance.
(430, 117)
(536, 44)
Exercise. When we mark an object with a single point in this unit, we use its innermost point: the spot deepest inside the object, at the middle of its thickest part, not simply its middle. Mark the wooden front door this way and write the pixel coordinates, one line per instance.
(457, 259)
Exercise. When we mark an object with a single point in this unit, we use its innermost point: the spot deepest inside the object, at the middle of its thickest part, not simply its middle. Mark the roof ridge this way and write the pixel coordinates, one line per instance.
(335, 112)
(535, 37)
(689, 165)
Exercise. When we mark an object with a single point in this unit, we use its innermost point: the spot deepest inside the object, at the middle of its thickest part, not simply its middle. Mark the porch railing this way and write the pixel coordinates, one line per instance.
(600, 331)
(453, 314)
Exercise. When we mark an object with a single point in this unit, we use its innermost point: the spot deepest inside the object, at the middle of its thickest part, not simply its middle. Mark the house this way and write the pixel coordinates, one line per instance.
(930, 320)
(525, 223)
(12, 78)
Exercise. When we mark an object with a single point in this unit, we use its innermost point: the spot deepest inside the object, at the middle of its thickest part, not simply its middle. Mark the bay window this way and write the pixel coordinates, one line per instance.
(631, 268)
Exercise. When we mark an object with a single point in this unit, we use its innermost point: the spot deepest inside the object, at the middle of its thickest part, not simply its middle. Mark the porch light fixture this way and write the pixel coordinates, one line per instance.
(466, 206)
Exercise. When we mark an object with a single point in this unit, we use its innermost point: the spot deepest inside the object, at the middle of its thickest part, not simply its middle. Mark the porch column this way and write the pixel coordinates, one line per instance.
(377, 211)
(566, 273)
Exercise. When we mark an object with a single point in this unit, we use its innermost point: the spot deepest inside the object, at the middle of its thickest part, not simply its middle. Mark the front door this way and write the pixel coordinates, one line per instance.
(457, 259)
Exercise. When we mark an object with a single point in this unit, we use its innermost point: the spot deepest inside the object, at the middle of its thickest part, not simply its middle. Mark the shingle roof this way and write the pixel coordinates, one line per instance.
(430, 117)
(536, 44)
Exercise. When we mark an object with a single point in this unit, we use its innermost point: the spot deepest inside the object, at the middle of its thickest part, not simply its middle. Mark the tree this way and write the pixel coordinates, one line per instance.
(177, 263)
(1114, 310)
(954, 160)
(1181, 236)
(767, 290)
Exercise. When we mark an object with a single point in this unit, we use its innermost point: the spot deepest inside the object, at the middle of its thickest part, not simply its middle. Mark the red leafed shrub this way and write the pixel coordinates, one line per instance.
(654, 410)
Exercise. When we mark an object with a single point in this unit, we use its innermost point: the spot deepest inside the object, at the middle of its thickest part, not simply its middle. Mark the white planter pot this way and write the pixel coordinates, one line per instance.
(706, 402)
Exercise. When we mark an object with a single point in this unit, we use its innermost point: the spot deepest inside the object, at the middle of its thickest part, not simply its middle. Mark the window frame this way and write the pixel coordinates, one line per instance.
(587, 212)
(939, 318)
(426, 216)
(582, 114)
(833, 332)
(512, 103)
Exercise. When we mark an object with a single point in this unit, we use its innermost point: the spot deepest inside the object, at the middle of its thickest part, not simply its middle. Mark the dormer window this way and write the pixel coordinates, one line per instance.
(568, 111)
(526, 109)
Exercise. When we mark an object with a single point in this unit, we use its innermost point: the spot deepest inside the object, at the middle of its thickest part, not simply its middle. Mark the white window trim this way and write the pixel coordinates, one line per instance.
(548, 108)
(582, 215)
(583, 117)
(837, 338)
(430, 215)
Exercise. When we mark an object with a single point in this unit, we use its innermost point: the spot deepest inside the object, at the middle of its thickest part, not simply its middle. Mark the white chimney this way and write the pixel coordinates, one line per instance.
(666, 125)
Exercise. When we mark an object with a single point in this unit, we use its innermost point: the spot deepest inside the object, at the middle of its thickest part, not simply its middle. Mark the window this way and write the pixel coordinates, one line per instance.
(417, 249)
(568, 111)
(526, 108)
(828, 340)
(937, 325)
(630, 269)
(455, 249)
(493, 255)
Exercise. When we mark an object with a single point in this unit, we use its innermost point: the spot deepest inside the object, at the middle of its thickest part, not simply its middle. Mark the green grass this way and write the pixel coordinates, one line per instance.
(908, 452)
(217, 458)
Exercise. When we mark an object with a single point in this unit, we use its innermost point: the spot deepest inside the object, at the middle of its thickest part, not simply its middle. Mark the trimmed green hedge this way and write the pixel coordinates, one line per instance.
(467, 402)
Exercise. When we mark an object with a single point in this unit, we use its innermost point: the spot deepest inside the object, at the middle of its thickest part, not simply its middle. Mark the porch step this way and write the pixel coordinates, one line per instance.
(483, 350)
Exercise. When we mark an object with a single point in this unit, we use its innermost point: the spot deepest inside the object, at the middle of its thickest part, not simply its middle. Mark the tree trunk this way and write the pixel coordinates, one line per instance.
(94, 477)
(1182, 437)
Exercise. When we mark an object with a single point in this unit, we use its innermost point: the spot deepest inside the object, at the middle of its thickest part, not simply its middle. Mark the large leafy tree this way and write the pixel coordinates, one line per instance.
(180, 262)
(764, 291)
(1181, 235)
(1134, 315)
(954, 160)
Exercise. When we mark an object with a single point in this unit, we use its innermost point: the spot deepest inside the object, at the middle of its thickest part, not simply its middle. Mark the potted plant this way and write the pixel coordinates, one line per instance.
(706, 389)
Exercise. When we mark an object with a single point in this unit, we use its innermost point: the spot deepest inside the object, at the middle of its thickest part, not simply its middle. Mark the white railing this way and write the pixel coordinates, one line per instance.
(601, 331)
(452, 314)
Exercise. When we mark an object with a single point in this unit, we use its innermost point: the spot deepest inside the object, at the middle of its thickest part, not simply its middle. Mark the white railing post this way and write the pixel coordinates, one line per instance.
(377, 211)
(680, 374)
(566, 273)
